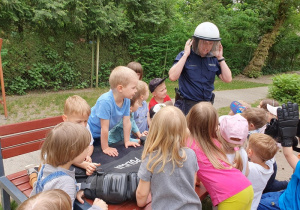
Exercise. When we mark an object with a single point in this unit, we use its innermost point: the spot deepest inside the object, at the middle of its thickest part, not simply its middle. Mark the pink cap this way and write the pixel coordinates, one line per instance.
(234, 126)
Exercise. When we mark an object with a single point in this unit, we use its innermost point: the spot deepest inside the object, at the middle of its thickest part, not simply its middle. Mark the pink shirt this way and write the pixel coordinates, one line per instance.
(221, 184)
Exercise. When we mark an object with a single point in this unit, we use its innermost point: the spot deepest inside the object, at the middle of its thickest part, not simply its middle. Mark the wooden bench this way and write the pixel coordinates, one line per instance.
(21, 138)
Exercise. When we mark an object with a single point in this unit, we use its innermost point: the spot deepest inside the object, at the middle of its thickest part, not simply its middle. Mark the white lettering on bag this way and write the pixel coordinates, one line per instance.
(128, 163)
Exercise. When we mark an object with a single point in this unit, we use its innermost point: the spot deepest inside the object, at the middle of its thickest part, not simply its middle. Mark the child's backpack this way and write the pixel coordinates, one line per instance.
(115, 180)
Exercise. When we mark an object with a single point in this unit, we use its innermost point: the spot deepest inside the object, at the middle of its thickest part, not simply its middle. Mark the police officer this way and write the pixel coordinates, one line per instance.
(197, 65)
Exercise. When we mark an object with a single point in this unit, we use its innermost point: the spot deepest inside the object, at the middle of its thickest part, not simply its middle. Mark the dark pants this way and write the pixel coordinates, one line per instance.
(274, 185)
(185, 105)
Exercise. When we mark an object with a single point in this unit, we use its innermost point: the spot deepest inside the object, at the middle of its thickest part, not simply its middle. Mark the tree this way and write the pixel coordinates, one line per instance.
(284, 9)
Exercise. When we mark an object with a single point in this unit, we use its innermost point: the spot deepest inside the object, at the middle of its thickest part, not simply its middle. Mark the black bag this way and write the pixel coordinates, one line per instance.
(116, 180)
(111, 187)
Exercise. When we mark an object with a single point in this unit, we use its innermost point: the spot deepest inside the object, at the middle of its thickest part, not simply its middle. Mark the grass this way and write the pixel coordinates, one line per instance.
(13, 205)
(225, 110)
(44, 104)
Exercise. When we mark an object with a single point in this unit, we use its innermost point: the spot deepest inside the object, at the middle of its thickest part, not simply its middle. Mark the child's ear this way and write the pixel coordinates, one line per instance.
(65, 118)
(249, 152)
(119, 88)
(251, 127)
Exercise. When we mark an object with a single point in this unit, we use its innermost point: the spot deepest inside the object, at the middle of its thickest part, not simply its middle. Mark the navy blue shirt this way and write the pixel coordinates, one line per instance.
(197, 78)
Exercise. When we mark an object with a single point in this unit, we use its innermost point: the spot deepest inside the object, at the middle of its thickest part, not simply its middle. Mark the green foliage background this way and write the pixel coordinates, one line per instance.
(47, 45)
(285, 88)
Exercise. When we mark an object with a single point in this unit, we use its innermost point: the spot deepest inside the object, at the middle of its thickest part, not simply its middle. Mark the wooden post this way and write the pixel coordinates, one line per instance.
(93, 60)
(3, 102)
(97, 59)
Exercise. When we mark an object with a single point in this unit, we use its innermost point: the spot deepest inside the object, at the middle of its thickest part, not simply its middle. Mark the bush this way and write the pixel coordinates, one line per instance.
(286, 87)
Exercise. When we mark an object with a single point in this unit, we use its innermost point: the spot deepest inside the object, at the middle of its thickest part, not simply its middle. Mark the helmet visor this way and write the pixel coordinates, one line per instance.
(205, 48)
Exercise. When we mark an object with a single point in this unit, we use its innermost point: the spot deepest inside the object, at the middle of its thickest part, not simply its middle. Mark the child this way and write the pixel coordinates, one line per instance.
(158, 89)
(261, 151)
(77, 110)
(232, 133)
(288, 118)
(140, 115)
(113, 106)
(137, 67)
(257, 119)
(168, 168)
(116, 133)
(226, 185)
(264, 105)
(48, 200)
(66, 144)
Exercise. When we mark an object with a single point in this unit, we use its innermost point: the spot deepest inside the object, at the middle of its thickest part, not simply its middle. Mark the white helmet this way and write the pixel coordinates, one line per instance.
(207, 31)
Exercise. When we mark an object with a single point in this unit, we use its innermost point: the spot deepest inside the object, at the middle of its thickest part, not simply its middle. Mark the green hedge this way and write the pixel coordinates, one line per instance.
(286, 87)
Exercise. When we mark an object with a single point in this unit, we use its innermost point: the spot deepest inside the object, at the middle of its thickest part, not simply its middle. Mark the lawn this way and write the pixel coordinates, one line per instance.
(45, 104)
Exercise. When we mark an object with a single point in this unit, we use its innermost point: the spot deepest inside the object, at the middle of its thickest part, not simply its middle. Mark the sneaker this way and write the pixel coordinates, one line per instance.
(31, 169)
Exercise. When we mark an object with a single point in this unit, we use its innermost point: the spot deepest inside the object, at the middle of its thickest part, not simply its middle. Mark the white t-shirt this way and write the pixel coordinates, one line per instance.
(244, 156)
(259, 177)
(92, 139)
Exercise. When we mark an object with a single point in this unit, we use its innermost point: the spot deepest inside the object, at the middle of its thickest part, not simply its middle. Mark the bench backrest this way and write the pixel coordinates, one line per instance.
(25, 137)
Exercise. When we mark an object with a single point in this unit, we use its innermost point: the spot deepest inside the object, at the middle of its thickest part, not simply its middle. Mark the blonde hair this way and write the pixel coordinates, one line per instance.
(137, 67)
(256, 116)
(64, 143)
(75, 105)
(264, 146)
(48, 200)
(136, 96)
(202, 121)
(142, 87)
(121, 75)
(229, 148)
(166, 138)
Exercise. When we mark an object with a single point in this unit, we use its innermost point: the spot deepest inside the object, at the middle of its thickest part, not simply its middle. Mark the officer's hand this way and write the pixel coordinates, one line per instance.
(219, 53)
(187, 48)
(288, 118)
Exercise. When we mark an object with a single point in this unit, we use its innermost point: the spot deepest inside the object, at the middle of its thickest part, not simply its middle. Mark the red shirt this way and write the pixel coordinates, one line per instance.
(153, 102)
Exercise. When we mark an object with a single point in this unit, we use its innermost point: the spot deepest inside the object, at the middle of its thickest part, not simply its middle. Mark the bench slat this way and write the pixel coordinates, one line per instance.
(21, 180)
(17, 175)
(30, 125)
(27, 192)
(22, 149)
(23, 138)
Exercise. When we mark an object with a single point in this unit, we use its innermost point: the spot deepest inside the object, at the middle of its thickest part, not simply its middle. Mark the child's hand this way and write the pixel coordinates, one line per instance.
(88, 159)
(111, 151)
(145, 133)
(131, 144)
(91, 167)
(80, 195)
(100, 203)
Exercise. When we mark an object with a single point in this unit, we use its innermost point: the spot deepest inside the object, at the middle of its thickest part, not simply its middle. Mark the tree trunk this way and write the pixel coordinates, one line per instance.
(254, 68)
